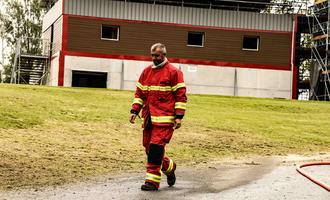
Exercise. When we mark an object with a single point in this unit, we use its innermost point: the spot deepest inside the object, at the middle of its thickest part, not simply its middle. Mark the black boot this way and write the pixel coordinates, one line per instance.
(148, 187)
(171, 179)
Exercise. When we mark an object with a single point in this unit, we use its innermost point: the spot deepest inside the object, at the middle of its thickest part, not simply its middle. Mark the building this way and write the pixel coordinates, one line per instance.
(220, 51)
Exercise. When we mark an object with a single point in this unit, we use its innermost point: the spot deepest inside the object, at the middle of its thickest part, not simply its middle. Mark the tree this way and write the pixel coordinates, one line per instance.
(287, 7)
(21, 19)
(284, 6)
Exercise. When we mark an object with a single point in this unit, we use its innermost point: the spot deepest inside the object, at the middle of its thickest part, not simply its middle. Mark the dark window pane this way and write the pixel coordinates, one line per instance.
(110, 32)
(195, 39)
(89, 79)
(251, 43)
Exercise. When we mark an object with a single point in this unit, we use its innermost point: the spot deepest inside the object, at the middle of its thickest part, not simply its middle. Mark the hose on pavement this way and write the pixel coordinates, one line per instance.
(316, 181)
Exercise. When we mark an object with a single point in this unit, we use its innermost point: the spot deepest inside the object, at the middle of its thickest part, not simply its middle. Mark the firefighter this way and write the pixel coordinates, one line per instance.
(161, 94)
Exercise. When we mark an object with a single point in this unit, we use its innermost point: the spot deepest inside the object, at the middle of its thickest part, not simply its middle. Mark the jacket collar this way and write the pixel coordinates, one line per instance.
(153, 66)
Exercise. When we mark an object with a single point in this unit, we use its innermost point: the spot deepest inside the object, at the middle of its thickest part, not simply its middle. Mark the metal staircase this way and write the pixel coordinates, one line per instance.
(31, 65)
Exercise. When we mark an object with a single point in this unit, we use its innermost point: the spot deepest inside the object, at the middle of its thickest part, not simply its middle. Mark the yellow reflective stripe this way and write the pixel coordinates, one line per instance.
(153, 177)
(153, 87)
(138, 101)
(179, 85)
(162, 119)
(139, 85)
(181, 105)
(159, 88)
(170, 167)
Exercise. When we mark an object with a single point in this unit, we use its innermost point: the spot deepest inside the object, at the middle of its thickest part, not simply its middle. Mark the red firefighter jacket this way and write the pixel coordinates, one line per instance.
(161, 93)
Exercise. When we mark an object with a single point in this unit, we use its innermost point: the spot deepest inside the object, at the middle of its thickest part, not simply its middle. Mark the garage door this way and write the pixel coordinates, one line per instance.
(89, 79)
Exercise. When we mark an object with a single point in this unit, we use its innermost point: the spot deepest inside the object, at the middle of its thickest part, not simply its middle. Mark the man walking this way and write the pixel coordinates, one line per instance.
(161, 94)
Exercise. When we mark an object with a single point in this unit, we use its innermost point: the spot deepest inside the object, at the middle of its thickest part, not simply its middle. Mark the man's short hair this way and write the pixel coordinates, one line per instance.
(160, 46)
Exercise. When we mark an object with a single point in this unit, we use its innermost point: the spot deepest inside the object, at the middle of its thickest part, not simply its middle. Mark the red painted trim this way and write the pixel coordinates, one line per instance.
(291, 47)
(64, 47)
(179, 60)
(295, 83)
(178, 25)
(63, 2)
(295, 68)
(61, 69)
(65, 33)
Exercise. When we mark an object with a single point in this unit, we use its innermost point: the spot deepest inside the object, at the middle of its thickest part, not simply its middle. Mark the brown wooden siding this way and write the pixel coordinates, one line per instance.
(136, 39)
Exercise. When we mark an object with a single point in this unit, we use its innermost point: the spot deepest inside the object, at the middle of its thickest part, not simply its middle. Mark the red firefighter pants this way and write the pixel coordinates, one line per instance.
(154, 140)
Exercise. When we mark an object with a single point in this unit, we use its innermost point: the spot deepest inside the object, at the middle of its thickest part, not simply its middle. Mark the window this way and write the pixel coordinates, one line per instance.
(251, 43)
(195, 39)
(89, 79)
(110, 32)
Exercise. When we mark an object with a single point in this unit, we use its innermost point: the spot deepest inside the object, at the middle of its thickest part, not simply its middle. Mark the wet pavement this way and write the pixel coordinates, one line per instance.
(257, 178)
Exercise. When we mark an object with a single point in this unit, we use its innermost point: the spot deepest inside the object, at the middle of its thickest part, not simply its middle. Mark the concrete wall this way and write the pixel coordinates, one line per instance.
(263, 83)
(132, 71)
(46, 36)
(111, 66)
(57, 35)
(52, 15)
(54, 66)
(209, 79)
(200, 79)
(58, 32)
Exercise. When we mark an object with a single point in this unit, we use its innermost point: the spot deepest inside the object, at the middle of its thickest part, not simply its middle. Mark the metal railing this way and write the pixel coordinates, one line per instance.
(274, 7)
(35, 46)
(31, 48)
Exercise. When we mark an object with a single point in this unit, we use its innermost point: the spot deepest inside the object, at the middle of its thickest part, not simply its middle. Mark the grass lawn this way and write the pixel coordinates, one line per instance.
(51, 136)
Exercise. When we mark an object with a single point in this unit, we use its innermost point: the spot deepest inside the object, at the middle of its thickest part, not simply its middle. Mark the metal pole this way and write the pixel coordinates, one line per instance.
(326, 52)
(2, 59)
(2, 53)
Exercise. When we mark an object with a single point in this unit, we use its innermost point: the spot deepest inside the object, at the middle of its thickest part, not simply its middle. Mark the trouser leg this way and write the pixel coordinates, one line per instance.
(155, 157)
(168, 166)
(154, 141)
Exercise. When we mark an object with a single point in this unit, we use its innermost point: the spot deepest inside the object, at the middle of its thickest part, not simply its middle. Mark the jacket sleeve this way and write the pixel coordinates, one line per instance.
(179, 89)
(138, 100)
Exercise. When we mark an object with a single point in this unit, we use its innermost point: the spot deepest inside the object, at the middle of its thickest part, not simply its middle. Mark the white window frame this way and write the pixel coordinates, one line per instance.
(203, 39)
(115, 26)
(251, 36)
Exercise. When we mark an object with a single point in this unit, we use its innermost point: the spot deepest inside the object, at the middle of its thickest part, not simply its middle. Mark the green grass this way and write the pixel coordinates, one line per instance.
(51, 136)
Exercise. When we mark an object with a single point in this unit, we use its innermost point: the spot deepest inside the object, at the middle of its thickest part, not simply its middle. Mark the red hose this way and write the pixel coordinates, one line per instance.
(320, 183)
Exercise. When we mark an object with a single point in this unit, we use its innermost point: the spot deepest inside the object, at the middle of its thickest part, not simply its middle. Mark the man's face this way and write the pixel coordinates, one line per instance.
(157, 56)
